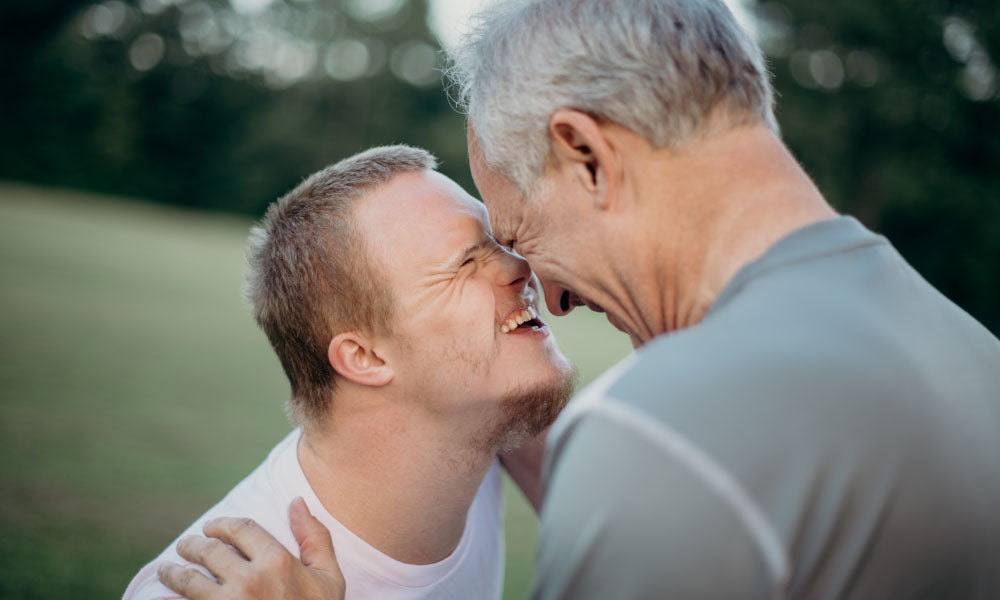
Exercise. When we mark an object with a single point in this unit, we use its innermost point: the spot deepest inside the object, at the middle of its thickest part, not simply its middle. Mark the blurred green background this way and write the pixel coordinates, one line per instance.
(139, 139)
(137, 390)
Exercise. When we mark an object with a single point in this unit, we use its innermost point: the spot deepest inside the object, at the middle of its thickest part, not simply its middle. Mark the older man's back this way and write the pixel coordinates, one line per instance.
(830, 430)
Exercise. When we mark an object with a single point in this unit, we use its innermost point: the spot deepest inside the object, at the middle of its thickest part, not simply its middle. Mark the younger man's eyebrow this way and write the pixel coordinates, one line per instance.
(460, 257)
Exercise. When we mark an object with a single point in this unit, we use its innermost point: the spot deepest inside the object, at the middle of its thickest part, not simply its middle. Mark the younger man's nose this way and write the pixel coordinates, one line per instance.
(513, 270)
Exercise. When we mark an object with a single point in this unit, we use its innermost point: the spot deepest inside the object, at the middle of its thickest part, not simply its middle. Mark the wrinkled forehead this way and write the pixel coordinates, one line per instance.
(502, 198)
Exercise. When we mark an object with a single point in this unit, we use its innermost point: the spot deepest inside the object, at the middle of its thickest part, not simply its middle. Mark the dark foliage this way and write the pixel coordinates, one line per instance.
(891, 105)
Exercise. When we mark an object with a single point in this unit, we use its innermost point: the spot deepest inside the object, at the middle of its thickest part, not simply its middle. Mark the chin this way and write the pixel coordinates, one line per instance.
(529, 408)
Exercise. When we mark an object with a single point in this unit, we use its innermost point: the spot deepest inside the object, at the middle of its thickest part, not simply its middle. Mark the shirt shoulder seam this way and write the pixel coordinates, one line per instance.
(716, 478)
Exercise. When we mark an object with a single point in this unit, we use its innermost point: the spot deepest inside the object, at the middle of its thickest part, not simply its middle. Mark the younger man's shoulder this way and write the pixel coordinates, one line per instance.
(258, 496)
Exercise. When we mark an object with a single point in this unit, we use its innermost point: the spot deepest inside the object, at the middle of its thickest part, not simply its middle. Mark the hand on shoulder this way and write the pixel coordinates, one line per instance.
(248, 563)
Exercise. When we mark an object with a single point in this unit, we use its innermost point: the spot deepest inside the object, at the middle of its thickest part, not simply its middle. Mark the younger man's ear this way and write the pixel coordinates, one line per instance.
(579, 144)
(353, 356)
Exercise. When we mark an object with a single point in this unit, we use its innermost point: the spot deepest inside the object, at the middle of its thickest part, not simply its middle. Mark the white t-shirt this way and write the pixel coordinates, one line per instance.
(473, 570)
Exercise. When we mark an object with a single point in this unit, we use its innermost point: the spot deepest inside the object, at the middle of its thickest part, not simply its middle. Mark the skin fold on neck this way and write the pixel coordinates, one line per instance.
(702, 213)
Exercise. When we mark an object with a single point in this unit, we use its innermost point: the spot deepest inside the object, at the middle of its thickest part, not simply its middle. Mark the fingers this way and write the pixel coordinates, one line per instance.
(189, 583)
(220, 559)
(244, 534)
(315, 546)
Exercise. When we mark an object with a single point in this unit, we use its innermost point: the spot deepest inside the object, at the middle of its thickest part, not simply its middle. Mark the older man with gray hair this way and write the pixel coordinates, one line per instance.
(805, 416)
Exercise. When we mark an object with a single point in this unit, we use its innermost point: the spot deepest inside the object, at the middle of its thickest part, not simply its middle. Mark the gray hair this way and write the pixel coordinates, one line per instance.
(660, 68)
(310, 277)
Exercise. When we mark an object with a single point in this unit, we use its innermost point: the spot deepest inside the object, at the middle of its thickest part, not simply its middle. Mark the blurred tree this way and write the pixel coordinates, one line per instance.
(893, 107)
(215, 103)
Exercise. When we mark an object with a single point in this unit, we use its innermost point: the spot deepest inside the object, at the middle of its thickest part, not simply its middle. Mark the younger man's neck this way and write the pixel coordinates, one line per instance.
(402, 488)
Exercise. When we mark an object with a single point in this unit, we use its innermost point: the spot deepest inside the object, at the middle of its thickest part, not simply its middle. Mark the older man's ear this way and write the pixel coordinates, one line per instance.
(355, 357)
(581, 146)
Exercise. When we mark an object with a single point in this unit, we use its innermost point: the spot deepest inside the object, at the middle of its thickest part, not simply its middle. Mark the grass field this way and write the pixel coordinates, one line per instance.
(135, 390)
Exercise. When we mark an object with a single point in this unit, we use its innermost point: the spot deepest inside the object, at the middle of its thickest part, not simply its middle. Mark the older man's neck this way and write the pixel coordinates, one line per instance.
(728, 199)
(402, 488)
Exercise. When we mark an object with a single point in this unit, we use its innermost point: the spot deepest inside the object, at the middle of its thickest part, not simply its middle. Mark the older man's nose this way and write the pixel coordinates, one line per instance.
(558, 299)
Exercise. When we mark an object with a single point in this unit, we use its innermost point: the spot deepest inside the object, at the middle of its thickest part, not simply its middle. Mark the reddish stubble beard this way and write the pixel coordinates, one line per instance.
(526, 411)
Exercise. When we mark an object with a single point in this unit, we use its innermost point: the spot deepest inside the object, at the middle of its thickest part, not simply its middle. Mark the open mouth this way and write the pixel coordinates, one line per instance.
(569, 299)
(523, 319)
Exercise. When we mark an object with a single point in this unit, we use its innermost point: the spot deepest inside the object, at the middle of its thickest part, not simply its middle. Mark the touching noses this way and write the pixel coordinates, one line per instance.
(514, 271)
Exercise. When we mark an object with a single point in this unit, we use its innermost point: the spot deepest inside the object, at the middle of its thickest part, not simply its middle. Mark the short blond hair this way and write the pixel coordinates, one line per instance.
(310, 276)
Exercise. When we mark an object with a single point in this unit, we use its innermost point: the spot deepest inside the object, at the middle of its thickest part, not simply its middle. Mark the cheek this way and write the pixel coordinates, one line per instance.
(556, 258)
(470, 319)
(481, 310)
(544, 269)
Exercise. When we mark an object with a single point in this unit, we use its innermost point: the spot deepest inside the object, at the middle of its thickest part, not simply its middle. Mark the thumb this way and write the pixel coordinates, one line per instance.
(315, 545)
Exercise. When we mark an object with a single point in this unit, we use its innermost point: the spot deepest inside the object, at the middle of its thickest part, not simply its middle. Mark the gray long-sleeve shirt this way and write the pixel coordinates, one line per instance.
(831, 429)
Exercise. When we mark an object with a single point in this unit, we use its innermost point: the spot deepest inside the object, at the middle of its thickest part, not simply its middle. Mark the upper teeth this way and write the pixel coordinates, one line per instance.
(518, 318)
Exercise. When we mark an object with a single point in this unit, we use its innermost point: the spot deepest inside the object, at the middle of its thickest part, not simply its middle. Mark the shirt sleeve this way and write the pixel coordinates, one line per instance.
(146, 586)
(624, 518)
